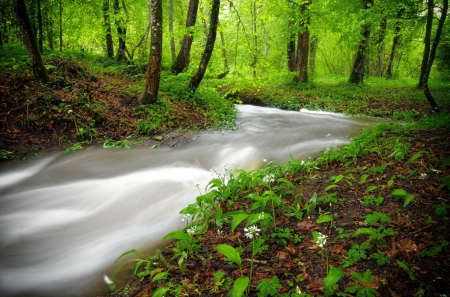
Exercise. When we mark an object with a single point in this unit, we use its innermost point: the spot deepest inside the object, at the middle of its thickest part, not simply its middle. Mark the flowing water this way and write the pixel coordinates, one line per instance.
(65, 218)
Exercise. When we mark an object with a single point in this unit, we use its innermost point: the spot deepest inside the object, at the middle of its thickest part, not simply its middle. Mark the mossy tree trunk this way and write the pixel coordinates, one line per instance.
(150, 93)
(209, 47)
(107, 26)
(426, 41)
(359, 64)
(29, 40)
(182, 60)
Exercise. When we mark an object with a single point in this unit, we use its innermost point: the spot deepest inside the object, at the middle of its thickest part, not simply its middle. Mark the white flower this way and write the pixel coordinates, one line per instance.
(107, 280)
(251, 231)
(219, 232)
(265, 160)
(321, 240)
(269, 178)
(328, 135)
(261, 216)
(191, 231)
(423, 175)
(186, 217)
(69, 111)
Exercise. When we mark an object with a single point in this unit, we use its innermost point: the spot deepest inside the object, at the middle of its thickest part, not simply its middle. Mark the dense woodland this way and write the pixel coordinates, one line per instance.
(124, 73)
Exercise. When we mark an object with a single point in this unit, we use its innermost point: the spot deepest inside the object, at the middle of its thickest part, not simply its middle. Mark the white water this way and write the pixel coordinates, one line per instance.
(64, 219)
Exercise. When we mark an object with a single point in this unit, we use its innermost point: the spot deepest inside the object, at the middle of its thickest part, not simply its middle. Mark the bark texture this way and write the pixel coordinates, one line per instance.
(182, 60)
(359, 64)
(303, 43)
(29, 39)
(121, 32)
(150, 92)
(395, 44)
(107, 26)
(209, 47)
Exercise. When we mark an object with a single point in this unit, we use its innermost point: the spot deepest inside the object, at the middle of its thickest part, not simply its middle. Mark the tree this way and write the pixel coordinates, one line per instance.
(39, 71)
(430, 61)
(381, 48)
(427, 41)
(395, 44)
(107, 26)
(182, 60)
(209, 47)
(303, 43)
(60, 26)
(359, 64)
(150, 92)
(121, 31)
(172, 39)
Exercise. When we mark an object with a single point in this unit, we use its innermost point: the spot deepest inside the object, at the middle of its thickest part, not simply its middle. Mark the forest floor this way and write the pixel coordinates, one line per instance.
(375, 243)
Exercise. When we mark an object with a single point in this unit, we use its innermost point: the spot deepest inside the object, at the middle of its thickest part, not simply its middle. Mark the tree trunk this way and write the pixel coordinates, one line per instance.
(312, 55)
(433, 55)
(150, 93)
(209, 47)
(29, 39)
(143, 37)
(182, 60)
(107, 26)
(224, 57)
(60, 27)
(255, 38)
(395, 44)
(357, 74)
(427, 42)
(303, 44)
(172, 38)
(291, 54)
(381, 48)
(41, 35)
(121, 32)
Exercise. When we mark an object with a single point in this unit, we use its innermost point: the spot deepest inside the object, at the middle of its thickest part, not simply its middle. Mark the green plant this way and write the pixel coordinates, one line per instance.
(268, 287)
(355, 253)
(381, 258)
(410, 271)
(4, 154)
(283, 235)
(220, 281)
(109, 143)
(400, 193)
(441, 210)
(321, 240)
(371, 200)
(239, 287)
(445, 183)
(377, 216)
(376, 235)
(75, 147)
(330, 281)
(362, 288)
(230, 253)
(431, 252)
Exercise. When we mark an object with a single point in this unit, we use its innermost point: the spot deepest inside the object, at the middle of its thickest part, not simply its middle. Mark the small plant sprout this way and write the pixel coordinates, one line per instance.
(321, 240)
(197, 185)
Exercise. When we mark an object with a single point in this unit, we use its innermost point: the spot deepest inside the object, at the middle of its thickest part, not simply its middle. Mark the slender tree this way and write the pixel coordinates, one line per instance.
(303, 43)
(107, 28)
(29, 39)
(60, 27)
(41, 34)
(150, 92)
(209, 47)
(172, 38)
(430, 61)
(121, 32)
(395, 44)
(427, 41)
(182, 60)
(359, 64)
(380, 48)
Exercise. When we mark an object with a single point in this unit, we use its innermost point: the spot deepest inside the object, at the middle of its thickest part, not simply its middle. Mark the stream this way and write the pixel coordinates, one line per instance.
(65, 218)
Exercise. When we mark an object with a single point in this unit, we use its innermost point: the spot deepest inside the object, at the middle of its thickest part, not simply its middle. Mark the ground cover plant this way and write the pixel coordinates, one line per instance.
(368, 219)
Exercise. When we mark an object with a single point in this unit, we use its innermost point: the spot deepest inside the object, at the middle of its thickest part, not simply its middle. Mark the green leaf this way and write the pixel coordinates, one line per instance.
(334, 275)
(368, 277)
(324, 219)
(366, 231)
(330, 187)
(231, 253)
(239, 287)
(371, 188)
(160, 292)
(399, 193)
(414, 157)
(132, 251)
(357, 277)
(237, 219)
(177, 235)
(160, 276)
(408, 199)
(363, 178)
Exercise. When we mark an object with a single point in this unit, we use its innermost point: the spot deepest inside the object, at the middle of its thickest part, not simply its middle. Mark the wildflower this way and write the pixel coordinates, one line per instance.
(191, 231)
(251, 231)
(186, 217)
(196, 185)
(265, 160)
(321, 240)
(269, 178)
(423, 175)
(261, 216)
(107, 280)
(219, 232)
(328, 135)
(69, 111)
